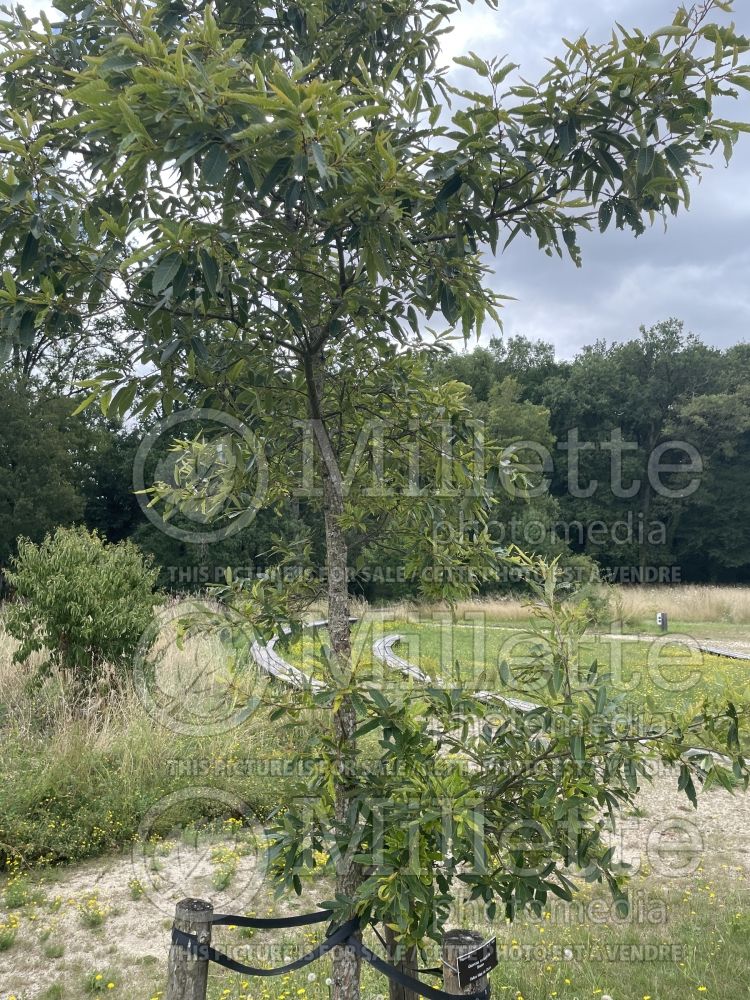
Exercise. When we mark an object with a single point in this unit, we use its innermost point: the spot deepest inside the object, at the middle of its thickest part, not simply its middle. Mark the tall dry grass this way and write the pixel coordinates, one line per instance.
(79, 774)
(500, 608)
(688, 603)
(197, 670)
(631, 605)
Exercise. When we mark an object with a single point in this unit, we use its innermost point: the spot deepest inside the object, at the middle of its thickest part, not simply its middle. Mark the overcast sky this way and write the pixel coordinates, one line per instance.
(697, 270)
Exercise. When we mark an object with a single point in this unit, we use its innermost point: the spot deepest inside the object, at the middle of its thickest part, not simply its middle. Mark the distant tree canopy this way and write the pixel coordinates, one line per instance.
(663, 385)
(41, 480)
(57, 469)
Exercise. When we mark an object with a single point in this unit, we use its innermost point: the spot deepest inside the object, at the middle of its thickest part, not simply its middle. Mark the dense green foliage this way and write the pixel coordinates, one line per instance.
(84, 601)
(41, 479)
(664, 386)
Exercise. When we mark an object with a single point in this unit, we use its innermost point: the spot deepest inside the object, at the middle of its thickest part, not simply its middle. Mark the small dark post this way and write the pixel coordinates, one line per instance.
(456, 943)
(662, 620)
(187, 975)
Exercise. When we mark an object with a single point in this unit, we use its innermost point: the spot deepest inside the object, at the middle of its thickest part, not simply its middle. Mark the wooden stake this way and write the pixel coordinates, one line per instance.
(457, 943)
(187, 975)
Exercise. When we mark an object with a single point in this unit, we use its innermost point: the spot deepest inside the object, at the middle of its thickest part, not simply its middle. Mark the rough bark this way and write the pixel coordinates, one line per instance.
(187, 976)
(346, 964)
(406, 961)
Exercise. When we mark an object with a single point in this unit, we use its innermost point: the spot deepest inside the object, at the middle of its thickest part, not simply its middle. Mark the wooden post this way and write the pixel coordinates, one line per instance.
(187, 975)
(457, 943)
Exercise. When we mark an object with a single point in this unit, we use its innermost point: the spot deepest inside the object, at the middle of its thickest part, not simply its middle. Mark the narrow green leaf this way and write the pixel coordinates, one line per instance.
(448, 304)
(29, 253)
(677, 156)
(86, 403)
(26, 330)
(671, 31)
(504, 670)
(165, 272)
(645, 160)
(368, 727)
(561, 891)
(278, 170)
(210, 271)
(685, 784)
(601, 700)
(473, 62)
(451, 186)
(319, 159)
(123, 399)
(567, 134)
(168, 351)
(215, 164)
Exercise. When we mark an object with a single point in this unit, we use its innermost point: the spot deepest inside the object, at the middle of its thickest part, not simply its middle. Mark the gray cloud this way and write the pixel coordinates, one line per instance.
(697, 271)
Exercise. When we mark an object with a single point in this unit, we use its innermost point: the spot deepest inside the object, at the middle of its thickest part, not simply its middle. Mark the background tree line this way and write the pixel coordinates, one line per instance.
(57, 468)
(662, 386)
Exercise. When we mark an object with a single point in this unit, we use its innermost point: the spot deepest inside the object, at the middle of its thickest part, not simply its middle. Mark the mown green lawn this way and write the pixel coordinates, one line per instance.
(663, 674)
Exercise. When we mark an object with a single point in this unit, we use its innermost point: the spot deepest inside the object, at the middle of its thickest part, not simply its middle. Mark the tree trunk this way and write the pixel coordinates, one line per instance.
(346, 964)
(406, 961)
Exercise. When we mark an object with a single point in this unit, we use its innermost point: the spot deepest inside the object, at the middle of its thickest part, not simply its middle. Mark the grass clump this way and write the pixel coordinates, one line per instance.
(8, 932)
(92, 912)
(79, 779)
(105, 981)
(136, 888)
(55, 991)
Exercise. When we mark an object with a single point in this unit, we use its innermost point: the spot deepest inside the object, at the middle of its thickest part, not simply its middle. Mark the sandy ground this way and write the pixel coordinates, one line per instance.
(672, 837)
(667, 839)
(133, 938)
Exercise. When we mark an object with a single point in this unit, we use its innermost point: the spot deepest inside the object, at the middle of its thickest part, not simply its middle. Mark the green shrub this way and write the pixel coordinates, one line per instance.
(19, 892)
(83, 600)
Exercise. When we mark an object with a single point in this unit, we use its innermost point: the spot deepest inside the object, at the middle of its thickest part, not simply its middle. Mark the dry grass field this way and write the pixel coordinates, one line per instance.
(694, 603)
